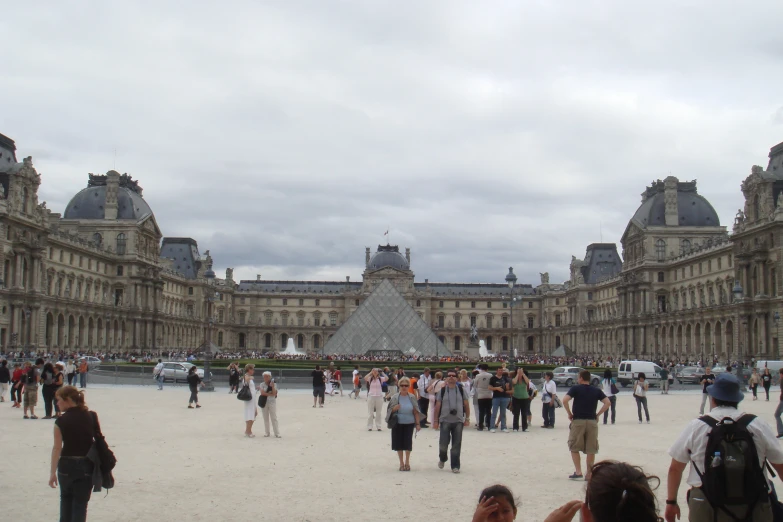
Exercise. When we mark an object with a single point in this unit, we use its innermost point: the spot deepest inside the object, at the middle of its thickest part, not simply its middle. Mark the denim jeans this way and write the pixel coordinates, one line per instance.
(83, 380)
(642, 402)
(548, 412)
(450, 432)
(484, 413)
(778, 412)
(160, 381)
(704, 399)
(499, 404)
(613, 402)
(75, 478)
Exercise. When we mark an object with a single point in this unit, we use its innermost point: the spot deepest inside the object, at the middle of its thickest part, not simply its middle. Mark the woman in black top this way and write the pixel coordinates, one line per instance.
(73, 438)
(47, 379)
(233, 378)
(766, 380)
(5, 379)
(193, 383)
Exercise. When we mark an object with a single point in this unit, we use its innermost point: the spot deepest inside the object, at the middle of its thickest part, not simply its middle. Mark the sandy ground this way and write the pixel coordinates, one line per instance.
(327, 466)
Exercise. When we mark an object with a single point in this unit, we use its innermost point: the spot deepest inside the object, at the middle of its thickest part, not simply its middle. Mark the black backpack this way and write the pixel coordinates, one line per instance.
(737, 481)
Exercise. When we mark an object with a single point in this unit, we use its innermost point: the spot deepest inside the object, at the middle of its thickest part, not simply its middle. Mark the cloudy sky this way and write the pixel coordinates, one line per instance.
(287, 136)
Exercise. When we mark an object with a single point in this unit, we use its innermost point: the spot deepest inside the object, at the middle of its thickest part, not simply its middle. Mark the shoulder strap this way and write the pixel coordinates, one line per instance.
(96, 425)
(745, 420)
(709, 421)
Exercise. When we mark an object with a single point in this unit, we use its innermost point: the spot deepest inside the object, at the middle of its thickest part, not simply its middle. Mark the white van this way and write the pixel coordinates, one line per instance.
(629, 371)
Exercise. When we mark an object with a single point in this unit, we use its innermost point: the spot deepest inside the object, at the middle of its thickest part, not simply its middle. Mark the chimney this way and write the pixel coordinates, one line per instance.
(258, 277)
(408, 255)
(367, 256)
(670, 199)
(112, 187)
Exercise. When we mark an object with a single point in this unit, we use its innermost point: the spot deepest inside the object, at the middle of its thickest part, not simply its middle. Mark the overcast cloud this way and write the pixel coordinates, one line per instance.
(287, 136)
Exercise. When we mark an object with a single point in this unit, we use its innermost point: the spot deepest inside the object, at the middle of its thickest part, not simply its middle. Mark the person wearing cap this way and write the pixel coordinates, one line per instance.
(724, 396)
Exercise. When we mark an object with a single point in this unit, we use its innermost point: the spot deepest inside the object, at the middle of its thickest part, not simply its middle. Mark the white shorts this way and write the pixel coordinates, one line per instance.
(3, 388)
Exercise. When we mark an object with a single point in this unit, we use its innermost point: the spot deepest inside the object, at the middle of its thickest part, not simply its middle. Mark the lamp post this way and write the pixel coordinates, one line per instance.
(737, 291)
(210, 277)
(511, 279)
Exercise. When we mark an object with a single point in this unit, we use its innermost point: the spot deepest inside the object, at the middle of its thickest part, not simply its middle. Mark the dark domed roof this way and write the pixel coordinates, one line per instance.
(693, 210)
(388, 256)
(90, 203)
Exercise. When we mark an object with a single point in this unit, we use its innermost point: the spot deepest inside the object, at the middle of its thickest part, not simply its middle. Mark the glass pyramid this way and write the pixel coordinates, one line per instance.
(385, 322)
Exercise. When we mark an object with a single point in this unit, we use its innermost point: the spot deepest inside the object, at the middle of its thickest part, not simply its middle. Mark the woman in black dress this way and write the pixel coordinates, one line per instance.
(233, 378)
(70, 467)
(193, 383)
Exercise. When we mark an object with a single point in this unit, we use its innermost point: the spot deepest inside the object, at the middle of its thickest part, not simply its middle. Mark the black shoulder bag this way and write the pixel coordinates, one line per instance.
(245, 394)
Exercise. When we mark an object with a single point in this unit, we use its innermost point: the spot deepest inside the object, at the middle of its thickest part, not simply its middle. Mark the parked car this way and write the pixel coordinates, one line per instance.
(689, 375)
(178, 371)
(629, 371)
(92, 362)
(567, 375)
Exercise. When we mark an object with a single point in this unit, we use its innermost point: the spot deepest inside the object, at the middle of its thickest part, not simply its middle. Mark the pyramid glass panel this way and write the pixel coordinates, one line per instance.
(385, 322)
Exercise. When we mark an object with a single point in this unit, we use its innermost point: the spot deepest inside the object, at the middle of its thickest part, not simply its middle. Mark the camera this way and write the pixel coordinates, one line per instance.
(453, 411)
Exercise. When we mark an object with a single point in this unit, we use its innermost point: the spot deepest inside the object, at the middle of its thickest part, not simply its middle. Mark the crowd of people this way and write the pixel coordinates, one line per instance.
(444, 401)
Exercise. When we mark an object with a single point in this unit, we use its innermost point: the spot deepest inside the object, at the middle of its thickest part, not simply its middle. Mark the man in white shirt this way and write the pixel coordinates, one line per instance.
(690, 447)
(157, 373)
(424, 402)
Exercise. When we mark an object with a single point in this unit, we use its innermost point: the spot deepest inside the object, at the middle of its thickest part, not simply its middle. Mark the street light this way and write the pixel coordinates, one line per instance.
(511, 279)
(210, 277)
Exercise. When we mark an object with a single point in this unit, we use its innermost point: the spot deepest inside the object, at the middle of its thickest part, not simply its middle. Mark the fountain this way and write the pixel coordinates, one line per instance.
(483, 352)
(291, 350)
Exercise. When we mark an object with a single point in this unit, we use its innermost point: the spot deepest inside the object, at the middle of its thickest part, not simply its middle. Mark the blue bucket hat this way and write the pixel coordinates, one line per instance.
(726, 388)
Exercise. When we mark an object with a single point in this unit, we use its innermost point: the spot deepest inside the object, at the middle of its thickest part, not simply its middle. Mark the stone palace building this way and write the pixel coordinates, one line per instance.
(101, 277)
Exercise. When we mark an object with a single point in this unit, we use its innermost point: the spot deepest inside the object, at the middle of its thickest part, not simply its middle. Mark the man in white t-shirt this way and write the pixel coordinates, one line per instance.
(691, 445)
(157, 373)
(483, 396)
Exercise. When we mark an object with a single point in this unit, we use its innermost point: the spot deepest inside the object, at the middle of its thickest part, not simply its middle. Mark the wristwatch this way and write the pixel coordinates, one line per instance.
(671, 502)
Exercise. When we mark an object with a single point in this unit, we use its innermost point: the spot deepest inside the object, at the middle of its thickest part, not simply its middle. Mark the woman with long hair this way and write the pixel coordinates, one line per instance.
(640, 393)
(269, 390)
(766, 381)
(70, 468)
(754, 382)
(251, 409)
(194, 381)
(606, 385)
(409, 417)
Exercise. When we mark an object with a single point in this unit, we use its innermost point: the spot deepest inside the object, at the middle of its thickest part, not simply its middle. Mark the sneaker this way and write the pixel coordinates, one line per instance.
(648, 421)
(576, 476)
(455, 470)
(504, 430)
(640, 422)
(493, 430)
(440, 464)
(516, 431)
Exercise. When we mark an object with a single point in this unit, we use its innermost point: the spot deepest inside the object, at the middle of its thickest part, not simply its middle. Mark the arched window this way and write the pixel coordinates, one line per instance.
(121, 241)
(300, 341)
(488, 343)
(660, 250)
(685, 247)
(268, 340)
(530, 343)
(457, 343)
(283, 341)
(505, 343)
(241, 340)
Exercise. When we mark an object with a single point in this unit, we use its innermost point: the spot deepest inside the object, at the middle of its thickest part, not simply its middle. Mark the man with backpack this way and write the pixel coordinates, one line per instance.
(728, 451)
(452, 413)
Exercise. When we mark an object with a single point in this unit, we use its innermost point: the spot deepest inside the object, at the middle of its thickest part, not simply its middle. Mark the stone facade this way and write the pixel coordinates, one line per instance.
(102, 277)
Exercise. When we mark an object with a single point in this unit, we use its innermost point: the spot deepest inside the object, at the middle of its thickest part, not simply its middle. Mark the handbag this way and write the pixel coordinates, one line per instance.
(245, 394)
(613, 388)
(263, 398)
(558, 403)
(392, 422)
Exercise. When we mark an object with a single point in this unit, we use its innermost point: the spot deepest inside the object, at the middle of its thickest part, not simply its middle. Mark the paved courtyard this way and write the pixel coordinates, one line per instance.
(196, 463)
